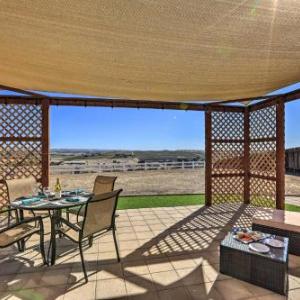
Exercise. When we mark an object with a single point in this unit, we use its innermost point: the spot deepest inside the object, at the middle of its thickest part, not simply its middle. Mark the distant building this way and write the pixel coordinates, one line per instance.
(167, 158)
(292, 160)
(75, 162)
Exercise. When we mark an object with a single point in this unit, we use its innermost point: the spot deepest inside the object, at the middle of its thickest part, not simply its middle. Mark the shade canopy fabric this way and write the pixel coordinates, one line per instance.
(167, 50)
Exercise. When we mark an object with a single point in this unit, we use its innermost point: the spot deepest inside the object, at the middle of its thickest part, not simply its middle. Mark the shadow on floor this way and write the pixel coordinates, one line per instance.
(198, 236)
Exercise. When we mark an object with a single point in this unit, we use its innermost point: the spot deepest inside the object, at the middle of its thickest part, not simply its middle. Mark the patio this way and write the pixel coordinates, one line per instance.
(166, 253)
(223, 58)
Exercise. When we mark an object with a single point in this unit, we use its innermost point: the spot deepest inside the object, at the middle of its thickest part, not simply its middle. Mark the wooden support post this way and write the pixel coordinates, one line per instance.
(246, 156)
(45, 142)
(208, 159)
(280, 155)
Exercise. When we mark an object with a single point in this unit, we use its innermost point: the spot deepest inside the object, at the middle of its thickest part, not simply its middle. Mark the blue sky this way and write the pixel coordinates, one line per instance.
(133, 129)
(121, 128)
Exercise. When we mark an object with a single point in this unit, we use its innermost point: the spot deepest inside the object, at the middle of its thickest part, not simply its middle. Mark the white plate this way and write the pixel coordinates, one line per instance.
(259, 247)
(274, 243)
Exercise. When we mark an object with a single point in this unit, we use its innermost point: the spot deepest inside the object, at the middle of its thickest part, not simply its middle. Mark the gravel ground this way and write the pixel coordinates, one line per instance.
(158, 182)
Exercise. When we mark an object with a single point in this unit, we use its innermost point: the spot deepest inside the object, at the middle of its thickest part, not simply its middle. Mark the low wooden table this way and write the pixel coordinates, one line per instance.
(269, 270)
(283, 223)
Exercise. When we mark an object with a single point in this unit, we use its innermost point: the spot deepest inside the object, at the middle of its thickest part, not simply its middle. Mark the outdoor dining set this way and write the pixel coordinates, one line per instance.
(95, 215)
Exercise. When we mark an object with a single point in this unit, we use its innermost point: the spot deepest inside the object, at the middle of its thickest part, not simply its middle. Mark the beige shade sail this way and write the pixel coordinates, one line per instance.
(170, 50)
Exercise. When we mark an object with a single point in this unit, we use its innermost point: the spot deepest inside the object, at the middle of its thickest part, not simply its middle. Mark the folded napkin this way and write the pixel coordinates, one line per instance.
(29, 201)
(78, 191)
(72, 199)
(42, 195)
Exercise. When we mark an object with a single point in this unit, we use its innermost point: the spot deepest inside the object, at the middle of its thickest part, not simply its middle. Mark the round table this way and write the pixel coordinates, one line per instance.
(54, 206)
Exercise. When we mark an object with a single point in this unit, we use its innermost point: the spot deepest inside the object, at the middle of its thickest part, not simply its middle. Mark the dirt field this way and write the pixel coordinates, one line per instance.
(157, 182)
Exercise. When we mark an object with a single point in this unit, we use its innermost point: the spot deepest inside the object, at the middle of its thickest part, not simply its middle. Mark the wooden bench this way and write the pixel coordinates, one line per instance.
(282, 223)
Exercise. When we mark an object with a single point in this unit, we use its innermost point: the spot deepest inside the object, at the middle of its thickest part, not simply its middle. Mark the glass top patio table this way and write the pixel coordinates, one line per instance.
(45, 204)
(38, 203)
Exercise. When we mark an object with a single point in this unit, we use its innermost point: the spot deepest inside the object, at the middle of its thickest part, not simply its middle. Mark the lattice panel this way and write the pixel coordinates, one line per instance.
(227, 158)
(20, 143)
(227, 125)
(227, 153)
(227, 189)
(262, 192)
(263, 157)
(20, 120)
(263, 123)
(242, 156)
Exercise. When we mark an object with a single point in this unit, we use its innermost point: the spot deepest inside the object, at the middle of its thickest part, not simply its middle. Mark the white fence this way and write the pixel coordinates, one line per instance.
(125, 167)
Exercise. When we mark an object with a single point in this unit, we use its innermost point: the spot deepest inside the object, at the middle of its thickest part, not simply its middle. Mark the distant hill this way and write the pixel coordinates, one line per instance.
(60, 155)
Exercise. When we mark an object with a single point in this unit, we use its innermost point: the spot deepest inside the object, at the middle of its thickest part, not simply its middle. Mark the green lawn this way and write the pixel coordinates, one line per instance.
(127, 202)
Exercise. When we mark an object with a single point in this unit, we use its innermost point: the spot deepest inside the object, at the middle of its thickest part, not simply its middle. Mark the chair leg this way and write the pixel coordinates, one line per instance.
(42, 248)
(116, 244)
(82, 262)
(91, 241)
(8, 218)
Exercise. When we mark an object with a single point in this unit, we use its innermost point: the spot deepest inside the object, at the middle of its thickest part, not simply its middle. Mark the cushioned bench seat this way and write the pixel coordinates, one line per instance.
(283, 223)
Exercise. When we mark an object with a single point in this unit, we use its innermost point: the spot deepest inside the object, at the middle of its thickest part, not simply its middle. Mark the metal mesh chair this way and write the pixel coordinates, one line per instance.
(22, 187)
(99, 217)
(102, 184)
(17, 232)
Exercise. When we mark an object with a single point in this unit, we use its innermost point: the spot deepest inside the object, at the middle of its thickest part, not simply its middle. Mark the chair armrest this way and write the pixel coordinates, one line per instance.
(66, 222)
(25, 221)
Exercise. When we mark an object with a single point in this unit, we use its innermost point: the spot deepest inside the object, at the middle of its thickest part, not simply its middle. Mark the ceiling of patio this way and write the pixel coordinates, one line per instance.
(167, 50)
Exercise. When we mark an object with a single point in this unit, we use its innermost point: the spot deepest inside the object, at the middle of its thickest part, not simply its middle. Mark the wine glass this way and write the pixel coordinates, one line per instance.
(35, 191)
(78, 191)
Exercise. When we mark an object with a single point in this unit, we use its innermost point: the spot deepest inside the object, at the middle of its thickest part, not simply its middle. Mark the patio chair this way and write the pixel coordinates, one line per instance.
(17, 232)
(22, 187)
(99, 217)
(102, 184)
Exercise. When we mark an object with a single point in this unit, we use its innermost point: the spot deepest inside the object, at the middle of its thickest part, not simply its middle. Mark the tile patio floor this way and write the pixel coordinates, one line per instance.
(167, 253)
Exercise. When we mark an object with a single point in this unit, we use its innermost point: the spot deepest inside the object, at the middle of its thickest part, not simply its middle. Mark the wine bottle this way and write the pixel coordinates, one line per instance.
(57, 189)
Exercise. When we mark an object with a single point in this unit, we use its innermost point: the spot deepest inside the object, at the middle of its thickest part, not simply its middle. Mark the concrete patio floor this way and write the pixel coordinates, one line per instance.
(166, 253)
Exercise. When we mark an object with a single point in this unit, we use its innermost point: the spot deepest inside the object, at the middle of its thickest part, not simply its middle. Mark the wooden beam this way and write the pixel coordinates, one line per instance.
(224, 175)
(20, 91)
(241, 100)
(246, 158)
(20, 100)
(120, 103)
(260, 140)
(265, 177)
(280, 156)
(126, 103)
(208, 158)
(229, 141)
(288, 97)
(19, 139)
(45, 142)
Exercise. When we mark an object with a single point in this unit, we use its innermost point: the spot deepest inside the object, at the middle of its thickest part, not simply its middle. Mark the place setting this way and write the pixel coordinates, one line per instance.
(47, 197)
(258, 241)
